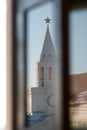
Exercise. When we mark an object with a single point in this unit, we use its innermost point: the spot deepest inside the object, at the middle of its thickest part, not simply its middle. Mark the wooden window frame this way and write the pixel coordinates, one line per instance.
(20, 10)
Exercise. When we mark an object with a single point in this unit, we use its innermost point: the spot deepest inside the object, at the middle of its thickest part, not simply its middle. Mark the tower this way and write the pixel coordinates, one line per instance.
(45, 68)
(42, 97)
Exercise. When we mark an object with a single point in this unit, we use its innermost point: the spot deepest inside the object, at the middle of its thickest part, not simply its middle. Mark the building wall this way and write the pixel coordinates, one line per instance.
(29, 101)
(39, 100)
(78, 115)
(47, 81)
(42, 100)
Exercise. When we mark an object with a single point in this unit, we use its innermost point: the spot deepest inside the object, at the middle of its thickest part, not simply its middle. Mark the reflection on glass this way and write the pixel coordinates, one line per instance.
(43, 86)
(78, 69)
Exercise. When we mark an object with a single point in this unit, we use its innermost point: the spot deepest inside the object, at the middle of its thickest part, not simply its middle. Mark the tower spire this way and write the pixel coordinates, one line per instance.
(48, 51)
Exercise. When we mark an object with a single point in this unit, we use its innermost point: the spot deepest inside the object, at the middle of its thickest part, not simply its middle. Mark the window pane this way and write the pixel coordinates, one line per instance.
(44, 68)
(78, 68)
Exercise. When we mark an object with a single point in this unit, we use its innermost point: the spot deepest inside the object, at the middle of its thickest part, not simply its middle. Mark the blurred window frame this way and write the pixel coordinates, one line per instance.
(19, 9)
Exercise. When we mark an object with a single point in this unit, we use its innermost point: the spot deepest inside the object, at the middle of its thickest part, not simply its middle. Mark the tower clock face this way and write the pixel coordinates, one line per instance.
(50, 101)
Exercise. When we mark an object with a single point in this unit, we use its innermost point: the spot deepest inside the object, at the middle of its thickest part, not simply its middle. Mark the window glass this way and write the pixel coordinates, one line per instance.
(43, 58)
(78, 68)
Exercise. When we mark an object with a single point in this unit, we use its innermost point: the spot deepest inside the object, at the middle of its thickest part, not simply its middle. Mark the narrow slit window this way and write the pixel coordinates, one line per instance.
(42, 73)
(50, 73)
(42, 84)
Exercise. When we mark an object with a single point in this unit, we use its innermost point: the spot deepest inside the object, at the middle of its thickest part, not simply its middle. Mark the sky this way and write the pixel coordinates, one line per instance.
(36, 35)
(77, 39)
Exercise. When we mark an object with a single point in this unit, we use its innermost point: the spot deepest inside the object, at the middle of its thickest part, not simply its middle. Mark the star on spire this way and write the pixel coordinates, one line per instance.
(47, 20)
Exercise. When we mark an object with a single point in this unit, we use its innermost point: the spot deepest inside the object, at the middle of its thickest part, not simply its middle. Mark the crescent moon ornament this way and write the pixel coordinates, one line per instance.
(50, 100)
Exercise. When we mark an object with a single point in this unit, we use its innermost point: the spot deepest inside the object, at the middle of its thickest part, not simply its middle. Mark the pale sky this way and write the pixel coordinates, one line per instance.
(36, 35)
(77, 39)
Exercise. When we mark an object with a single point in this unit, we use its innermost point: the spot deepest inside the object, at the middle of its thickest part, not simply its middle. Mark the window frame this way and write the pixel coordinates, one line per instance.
(17, 10)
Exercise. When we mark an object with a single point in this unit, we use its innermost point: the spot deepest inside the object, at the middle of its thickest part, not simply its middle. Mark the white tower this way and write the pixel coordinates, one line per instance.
(42, 98)
(45, 68)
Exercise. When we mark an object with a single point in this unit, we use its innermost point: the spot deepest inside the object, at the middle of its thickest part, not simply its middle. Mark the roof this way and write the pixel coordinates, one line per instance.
(48, 51)
(78, 83)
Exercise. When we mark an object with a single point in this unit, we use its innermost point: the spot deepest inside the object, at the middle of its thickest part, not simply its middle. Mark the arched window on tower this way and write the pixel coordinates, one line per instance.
(50, 73)
(42, 73)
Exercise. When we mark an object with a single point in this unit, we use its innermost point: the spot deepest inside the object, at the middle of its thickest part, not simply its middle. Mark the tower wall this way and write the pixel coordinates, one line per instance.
(49, 77)
(37, 74)
(42, 100)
